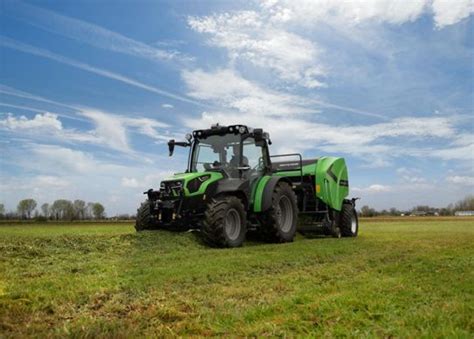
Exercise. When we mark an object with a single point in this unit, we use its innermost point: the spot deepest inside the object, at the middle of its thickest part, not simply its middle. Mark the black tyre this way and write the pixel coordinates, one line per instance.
(144, 220)
(279, 222)
(225, 222)
(348, 222)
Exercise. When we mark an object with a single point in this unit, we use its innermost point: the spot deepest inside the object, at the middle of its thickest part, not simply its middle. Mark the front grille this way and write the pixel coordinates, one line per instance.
(171, 188)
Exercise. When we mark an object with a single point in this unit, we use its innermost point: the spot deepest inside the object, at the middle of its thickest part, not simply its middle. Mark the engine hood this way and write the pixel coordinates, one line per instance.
(205, 178)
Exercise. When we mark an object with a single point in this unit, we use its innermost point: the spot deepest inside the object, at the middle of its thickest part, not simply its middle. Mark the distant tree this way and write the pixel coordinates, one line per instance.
(394, 212)
(422, 208)
(366, 211)
(98, 211)
(2, 210)
(45, 210)
(124, 216)
(62, 209)
(446, 211)
(79, 209)
(26, 207)
(89, 210)
(466, 204)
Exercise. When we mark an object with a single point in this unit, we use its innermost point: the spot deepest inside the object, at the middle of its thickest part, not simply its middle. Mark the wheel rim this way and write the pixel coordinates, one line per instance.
(285, 214)
(353, 224)
(232, 224)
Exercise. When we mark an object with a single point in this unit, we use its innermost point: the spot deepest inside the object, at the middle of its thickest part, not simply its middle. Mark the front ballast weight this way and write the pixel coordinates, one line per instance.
(232, 186)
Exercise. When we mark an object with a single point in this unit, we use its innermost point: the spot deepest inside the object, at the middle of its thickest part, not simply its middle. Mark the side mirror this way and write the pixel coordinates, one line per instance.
(171, 144)
(258, 134)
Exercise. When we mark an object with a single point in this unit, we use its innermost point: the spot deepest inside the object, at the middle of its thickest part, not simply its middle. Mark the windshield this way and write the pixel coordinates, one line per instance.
(224, 152)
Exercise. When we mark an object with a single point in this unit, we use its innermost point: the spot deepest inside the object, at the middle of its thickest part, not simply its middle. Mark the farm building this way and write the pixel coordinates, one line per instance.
(464, 213)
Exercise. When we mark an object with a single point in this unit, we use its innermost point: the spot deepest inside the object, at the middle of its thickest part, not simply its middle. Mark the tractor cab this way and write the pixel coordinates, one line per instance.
(236, 151)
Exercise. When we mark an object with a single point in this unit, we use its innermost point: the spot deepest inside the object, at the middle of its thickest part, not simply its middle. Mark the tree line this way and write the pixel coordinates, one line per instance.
(60, 209)
(466, 204)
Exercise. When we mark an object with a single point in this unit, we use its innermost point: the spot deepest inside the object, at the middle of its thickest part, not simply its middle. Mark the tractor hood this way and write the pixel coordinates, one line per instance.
(193, 183)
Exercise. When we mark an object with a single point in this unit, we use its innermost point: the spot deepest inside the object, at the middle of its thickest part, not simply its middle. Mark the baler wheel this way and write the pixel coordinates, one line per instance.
(349, 223)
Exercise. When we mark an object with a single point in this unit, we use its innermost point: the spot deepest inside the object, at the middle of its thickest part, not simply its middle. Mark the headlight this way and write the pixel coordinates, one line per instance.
(194, 184)
(242, 129)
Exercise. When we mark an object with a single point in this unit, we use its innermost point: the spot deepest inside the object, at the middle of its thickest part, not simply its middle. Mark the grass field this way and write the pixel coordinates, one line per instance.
(404, 278)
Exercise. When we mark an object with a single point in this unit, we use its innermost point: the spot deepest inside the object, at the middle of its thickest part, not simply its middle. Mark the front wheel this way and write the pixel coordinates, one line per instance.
(225, 222)
(349, 223)
(145, 220)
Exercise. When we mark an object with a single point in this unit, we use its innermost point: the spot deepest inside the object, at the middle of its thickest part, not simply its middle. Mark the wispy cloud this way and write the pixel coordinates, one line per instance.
(88, 33)
(33, 109)
(249, 97)
(461, 180)
(291, 126)
(25, 48)
(110, 130)
(25, 95)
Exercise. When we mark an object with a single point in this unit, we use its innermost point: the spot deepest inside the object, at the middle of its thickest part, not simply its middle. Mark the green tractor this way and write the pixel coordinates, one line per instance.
(233, 185)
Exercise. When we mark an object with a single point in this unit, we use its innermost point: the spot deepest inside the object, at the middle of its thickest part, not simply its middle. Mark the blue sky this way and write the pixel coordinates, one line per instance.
(91, 91)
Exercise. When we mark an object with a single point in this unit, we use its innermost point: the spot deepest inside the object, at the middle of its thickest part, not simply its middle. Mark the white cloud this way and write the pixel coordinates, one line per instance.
(45, 126)
(461, 180)
(230, 90)
(465, 153)
(313, 12)
(375, 188)
(410, 175)
(40, 121)
(129, 182)
(167, 106)
(251, 37)
(58, 159)
(448, 12)
(37, 110)
(146, 181)
(50, 181)
(110, 130)
(271, 37)
(280, 114)
(349, 12)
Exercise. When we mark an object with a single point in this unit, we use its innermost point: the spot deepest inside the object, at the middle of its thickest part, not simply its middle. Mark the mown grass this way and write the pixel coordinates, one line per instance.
(402, 278)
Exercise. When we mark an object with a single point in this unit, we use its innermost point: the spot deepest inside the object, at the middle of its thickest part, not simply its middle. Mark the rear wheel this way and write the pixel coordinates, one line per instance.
(144, 220)
(349, 223)
(225, 222)
(279, 222)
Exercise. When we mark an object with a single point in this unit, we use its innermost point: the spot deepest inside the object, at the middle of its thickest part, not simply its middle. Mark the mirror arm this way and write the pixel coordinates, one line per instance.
(173, 143)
